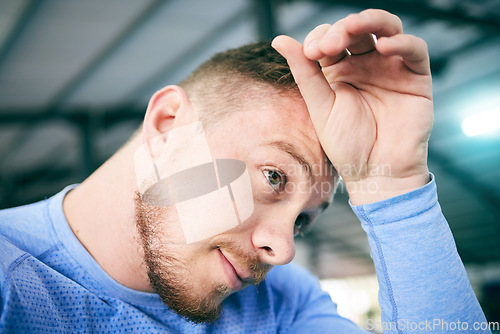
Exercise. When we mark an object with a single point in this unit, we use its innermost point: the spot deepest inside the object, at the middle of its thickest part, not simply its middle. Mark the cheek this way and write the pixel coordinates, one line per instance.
(160, 226)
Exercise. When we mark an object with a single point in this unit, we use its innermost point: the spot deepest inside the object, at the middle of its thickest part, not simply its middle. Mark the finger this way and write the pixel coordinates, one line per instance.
(312, 84)
(364, 44)
(331, 60)
(412, 49)
(376, 21)
(354, 32)
(312, 51)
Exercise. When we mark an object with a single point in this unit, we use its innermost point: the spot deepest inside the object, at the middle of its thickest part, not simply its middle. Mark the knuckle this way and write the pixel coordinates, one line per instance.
(422, 42)
(323, 26)
(351, 16)
(370, 11)
(317, 32)
(321, 29)
(397, 20)
(338, 26)
(374, 12)
(418, 42)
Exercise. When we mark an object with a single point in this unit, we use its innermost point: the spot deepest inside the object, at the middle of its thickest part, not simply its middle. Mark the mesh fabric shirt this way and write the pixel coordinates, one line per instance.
(49, 283)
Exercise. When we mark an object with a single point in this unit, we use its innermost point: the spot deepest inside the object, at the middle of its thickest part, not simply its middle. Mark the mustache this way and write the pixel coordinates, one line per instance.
(252, 261)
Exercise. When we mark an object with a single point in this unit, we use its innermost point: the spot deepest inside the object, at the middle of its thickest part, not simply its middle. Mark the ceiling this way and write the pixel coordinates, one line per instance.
(76, 76)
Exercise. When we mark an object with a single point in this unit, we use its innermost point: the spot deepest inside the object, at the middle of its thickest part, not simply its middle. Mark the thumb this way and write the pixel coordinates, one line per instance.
(315, 89)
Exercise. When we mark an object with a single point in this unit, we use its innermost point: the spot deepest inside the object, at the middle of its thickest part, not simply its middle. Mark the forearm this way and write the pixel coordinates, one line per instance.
(421, 276)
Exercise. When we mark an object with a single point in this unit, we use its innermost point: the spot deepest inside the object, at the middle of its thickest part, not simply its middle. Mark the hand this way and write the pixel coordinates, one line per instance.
(372, 108)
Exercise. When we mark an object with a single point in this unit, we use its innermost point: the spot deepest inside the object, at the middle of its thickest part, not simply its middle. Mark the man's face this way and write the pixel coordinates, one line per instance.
(291, 183)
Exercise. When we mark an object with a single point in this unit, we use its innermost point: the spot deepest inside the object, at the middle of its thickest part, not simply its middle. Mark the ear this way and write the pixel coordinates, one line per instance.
(168, 108)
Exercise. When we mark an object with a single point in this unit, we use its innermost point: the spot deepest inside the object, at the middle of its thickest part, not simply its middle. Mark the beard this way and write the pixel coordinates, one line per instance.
(169, 274)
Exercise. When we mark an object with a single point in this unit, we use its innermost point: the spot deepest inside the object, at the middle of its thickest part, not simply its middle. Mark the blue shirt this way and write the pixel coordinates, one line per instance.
(49, 283)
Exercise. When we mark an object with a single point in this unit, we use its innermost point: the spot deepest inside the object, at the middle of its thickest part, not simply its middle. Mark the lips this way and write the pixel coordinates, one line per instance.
(238, 275)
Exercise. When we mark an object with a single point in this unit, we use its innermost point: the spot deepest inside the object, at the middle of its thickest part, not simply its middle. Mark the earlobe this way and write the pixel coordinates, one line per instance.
(168, 108)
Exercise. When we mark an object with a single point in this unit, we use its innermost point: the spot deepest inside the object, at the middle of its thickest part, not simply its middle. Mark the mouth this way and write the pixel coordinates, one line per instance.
(238, 276)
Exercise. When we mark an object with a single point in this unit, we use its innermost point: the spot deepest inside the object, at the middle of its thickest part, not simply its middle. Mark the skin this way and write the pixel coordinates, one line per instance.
(212, 269)
(365, 111)
(372, 110)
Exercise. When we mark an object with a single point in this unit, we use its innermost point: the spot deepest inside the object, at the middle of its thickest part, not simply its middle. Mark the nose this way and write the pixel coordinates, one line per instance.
(273, 239)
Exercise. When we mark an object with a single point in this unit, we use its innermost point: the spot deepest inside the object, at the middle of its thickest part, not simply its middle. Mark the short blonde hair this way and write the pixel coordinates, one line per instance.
(220, 84)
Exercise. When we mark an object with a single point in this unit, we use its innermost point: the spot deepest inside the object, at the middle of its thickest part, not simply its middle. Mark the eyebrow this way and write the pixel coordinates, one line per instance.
(293, 152)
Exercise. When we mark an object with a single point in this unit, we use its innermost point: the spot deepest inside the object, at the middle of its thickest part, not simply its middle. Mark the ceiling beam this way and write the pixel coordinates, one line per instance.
(265, 15)
(485, 192)
(30, 9)
(80, 118)
(152, 84)
(86, 71)
(421, 10)
(482, 82)
(439, 63)
(77, 116)
(101, 57)
(34, 185)
(299, 27)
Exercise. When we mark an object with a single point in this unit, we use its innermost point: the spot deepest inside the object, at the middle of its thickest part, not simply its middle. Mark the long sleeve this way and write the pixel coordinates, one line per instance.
(302, 307)
(423, 283)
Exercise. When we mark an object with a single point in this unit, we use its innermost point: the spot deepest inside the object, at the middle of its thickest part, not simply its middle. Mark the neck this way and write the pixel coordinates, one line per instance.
(101, 213)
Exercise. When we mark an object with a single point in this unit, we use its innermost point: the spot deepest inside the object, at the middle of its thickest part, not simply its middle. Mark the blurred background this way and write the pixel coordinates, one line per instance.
(76, 76)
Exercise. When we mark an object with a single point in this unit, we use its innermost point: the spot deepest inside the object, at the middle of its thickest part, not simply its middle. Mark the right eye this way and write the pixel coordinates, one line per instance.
(276, 179)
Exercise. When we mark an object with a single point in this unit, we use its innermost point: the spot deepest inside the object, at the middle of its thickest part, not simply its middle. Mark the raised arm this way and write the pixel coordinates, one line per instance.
(372, 106)
(370, 101)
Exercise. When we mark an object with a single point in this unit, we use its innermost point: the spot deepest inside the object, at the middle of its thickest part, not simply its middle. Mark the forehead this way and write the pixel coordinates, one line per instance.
(269, 118)
(270, 129)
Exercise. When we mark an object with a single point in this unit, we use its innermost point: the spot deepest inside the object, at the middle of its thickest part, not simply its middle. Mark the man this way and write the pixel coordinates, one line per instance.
(107, 256)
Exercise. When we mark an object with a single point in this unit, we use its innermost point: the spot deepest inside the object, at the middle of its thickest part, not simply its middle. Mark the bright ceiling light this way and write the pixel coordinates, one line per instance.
(480, 123)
